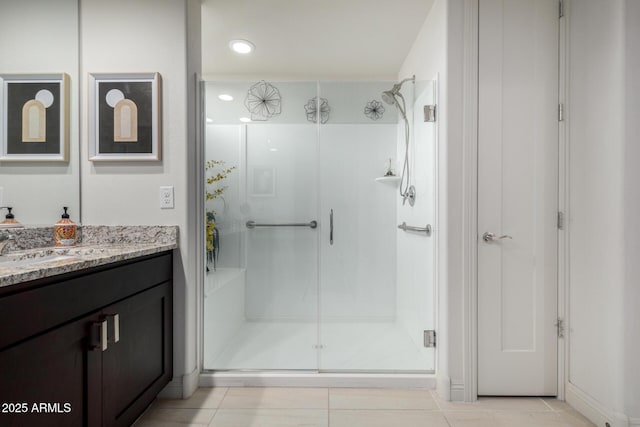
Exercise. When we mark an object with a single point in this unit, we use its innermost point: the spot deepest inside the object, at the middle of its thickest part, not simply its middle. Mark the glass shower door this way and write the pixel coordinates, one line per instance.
(376, 281)
(312, 271)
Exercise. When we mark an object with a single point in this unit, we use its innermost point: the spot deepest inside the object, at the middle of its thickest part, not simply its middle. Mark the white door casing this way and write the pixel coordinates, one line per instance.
(518, 197)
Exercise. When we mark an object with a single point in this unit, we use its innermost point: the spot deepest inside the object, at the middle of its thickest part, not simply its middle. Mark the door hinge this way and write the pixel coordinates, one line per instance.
(430, 338)
(429, 113)
(560, 327)
(561, 112)
(561, 9)
(560, 221)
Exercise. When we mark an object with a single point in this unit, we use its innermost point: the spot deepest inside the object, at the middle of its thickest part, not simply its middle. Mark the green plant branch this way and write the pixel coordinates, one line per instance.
(212, 232)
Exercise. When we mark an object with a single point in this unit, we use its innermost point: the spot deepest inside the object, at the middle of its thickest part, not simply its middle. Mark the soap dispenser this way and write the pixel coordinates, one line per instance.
(65, 231)
(10, 220)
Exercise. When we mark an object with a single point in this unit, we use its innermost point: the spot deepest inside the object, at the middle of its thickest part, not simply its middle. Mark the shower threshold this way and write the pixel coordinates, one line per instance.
(315, 379)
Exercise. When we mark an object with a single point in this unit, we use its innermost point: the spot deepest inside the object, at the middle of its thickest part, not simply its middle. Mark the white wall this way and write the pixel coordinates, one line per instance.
(603, 177)
(427, 59)
(46, 42)
(144, 36)
(631, 198)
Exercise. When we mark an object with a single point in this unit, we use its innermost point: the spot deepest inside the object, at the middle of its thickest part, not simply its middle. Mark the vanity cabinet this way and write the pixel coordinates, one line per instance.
(139, 360)
(90, 348)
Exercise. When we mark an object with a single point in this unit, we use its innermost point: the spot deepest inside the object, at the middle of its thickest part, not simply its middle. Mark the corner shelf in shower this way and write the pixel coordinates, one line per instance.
(388, 179)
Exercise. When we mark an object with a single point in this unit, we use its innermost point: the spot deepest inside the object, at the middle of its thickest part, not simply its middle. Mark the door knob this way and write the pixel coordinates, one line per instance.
(490, 237)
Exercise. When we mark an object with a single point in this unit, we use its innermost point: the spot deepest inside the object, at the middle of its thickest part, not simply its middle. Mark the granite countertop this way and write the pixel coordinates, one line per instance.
(24, 265)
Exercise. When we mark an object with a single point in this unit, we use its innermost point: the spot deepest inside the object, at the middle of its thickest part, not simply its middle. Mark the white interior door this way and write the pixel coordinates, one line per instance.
(517, 197)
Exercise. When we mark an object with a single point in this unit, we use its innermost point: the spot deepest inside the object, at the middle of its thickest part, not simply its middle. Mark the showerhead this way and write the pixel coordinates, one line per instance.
(389, 96)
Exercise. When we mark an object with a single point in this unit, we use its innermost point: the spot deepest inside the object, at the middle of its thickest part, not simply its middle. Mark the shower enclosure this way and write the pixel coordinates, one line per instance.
(311, 271)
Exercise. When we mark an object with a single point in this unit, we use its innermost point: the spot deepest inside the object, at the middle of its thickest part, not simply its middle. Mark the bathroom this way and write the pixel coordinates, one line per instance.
(596, 181)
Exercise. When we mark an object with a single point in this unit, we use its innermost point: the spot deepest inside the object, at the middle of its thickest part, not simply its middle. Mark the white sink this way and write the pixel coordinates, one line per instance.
(13, 262)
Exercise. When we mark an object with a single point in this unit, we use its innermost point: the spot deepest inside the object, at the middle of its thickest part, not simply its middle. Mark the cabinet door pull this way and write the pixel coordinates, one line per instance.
(99, 336)
(116, 327)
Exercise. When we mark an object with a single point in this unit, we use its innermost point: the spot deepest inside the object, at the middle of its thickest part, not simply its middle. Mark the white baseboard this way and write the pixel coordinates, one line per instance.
(595, 411)
(457, 391)
(450, 390)
(181, 387)
(173, 390)
(443, 387)
(190, 383)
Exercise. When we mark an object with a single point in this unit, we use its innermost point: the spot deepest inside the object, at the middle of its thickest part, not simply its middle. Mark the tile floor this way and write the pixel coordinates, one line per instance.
(352, 407)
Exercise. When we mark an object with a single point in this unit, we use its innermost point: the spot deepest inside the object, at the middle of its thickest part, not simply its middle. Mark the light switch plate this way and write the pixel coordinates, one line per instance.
(166, 197)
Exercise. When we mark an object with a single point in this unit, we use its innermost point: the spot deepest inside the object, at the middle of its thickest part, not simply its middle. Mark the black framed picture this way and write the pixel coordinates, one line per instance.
(124, 117)
(34, 117)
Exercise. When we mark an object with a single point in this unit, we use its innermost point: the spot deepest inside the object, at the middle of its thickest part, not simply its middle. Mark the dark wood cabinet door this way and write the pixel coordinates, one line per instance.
(137, 367)
(50, 379)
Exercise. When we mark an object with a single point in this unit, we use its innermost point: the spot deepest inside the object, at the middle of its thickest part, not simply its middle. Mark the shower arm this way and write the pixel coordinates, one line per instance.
(413, 79)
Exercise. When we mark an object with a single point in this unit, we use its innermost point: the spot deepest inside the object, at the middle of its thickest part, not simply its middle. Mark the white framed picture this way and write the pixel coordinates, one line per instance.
(125, 117)
(34, 117)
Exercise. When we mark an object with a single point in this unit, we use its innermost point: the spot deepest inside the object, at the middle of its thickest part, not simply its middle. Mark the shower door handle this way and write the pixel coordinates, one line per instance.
(331, 227)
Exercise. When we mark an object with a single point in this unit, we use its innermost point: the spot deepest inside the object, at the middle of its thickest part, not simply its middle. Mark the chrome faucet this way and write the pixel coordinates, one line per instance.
(5, 239)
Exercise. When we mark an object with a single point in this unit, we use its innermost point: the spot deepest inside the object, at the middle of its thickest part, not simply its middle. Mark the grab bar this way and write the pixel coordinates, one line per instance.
(311, 224)
(406, 227)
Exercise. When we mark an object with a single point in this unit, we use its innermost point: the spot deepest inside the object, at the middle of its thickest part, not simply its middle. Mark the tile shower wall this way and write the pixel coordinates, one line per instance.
(358, 271)
(281, 188)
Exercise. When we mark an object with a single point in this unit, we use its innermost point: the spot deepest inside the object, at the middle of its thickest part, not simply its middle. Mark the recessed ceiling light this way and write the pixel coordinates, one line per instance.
(225, 97)
(242, 46)
(209, 120)
(245, 119)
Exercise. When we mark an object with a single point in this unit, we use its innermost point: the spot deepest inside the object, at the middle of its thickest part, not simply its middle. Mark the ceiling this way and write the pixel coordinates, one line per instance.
(310, 39)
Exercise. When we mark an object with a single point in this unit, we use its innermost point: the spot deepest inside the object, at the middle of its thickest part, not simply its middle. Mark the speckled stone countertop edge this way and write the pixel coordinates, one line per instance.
(42, 236)
(32, 255)
(75, 259)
